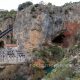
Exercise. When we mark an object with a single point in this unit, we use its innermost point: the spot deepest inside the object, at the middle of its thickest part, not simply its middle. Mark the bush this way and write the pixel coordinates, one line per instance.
(66, 12)
(13, 13)
(51, 53)
(61, 71)
(56, 52)
(6, 14)
(36, 5)
(24, 5)
(77, 36)
(33, 9)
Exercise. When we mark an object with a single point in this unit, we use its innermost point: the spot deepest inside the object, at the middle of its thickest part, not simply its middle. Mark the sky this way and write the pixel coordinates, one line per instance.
(13, 4)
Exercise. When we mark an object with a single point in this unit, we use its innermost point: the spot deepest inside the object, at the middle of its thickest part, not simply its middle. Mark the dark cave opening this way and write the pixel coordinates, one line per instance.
(1, 44)
(59, 39)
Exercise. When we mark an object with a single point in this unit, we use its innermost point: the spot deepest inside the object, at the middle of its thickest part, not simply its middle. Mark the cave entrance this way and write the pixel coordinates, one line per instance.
(1, 44)
(59, 39)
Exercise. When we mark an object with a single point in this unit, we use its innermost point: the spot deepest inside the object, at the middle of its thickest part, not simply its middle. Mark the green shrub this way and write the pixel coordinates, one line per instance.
(66, 12)
(24, 5)
(7, 14)
(54, 52)
(33, 9)
(36, 5)
(61, 71)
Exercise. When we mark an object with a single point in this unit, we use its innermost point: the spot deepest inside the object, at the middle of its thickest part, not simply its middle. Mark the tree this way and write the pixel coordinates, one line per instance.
(24, 5)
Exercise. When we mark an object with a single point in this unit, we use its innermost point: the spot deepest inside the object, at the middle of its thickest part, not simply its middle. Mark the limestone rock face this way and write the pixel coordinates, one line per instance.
(33, 28)
(40, 24)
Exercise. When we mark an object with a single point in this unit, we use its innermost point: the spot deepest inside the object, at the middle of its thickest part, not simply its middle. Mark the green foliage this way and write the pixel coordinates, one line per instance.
(77, 36)
(75, 47)
(66, 12)
(7, 14)
(33, 9)
(24, 5)
(13, 13)
(36, 5)
(53, 52)
(49, 4)
(19, 77)
(74, 50)
(61, 71)
(40, 53)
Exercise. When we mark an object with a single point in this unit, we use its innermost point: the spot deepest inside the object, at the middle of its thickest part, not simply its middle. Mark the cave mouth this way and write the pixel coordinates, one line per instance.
(59, 39)
(1, 44)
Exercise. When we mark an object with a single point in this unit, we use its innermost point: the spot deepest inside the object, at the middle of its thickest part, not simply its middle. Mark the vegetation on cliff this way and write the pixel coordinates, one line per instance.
(6, 14)
(51, 36)
(24, 5)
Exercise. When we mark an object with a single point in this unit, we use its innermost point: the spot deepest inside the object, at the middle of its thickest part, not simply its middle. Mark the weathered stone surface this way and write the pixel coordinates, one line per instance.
(70, 33)
(35, 26)
(33, 32)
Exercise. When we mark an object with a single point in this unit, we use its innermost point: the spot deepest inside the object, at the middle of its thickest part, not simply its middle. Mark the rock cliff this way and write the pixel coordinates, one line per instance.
(40, 24)
(51, 32)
